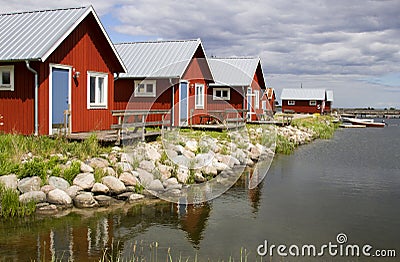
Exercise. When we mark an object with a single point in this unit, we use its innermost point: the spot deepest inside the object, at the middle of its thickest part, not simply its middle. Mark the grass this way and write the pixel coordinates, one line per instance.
(11, 206)
(322, 126)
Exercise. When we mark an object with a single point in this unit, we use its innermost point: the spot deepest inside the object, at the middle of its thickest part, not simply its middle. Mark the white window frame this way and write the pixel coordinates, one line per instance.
(291, 102)
(257, 99)
(97, 104)
(199, 98)
(215, 97)
(313, 102)
(7, 87)
(145, 83)
(264, 105)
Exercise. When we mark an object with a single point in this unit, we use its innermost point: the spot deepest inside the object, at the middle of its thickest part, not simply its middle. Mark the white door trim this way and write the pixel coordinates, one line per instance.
(180, 99)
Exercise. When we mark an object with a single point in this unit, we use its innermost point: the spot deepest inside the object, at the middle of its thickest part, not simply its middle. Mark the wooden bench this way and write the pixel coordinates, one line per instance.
(139, 117)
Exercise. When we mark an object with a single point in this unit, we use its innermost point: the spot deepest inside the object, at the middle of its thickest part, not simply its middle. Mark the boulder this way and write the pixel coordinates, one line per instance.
(58, 182)
(220, 166)
(165, 171)
(29, 184)
(204, 159)
(198, 177)
(128, 179)
(114, 184)
(47, 188)
(171, 153)
(125, 157)
(36, 196)
(179, 149)
(86, 168)
(9, 181)
(124, 166)
(124, 196)
(135, 197)
(99, 188)
(58, 197)
(85, 200)
(156, 185)
(152, 153)
(183, 174)
(97, 162)
(84, 180)
(105, 201)
(73, 191)
(147, 165)
(109, 171)
(46, 208)
(145, 177)
(191, 145)
(210, 170)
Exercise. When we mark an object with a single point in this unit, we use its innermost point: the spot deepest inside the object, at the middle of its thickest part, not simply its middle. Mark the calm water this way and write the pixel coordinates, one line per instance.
(349, 184)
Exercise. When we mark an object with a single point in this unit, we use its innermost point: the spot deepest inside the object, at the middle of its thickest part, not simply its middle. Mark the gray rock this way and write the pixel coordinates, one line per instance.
(36, 196)
(198, 177)
(171, 153)
(99, 188)
(135, 197)
(183, 174)
(105, 201)
(109, 171)
(220, 166)
(191, 145)
(179, 149)
(59, 197)
(124, 196)
(73, 191)
(116, 149)
(58, 182)
(114, 184)
(176, 186)
(47, 188)
(97, 162)
(128, 179)
(86, 168)
(84, 180)
(125, 157)
(156, 185)
(145, 177)
(124, 166)
(147, 165)
(9, 181)
(29, 184)
(181, 160)
(204, 159)
(165, 171)
(47, 208)
(85, 200)
(188, 154)
(152, 153)
(171, 181)
(210, 170)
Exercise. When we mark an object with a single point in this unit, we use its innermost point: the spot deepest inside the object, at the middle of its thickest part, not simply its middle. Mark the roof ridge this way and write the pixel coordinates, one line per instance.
(44, 10)
(158, 41)
(236, 57)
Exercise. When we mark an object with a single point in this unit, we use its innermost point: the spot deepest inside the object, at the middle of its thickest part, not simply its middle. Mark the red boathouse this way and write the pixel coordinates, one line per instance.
(307, 100)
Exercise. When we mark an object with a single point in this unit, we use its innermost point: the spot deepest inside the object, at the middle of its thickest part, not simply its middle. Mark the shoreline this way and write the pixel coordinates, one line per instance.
(117, 177)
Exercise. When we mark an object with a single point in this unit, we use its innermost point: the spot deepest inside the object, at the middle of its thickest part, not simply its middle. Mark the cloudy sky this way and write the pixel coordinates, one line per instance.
(349, 46)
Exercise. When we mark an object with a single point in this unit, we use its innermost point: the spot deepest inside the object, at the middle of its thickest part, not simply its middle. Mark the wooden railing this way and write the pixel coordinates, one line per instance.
(228, 116)
(138, 120)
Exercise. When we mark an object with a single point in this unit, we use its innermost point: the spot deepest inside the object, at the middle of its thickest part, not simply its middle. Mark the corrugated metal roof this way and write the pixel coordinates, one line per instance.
(157, 59)
(35, 35)
(329, 95)
(303, 94)
(238, 71)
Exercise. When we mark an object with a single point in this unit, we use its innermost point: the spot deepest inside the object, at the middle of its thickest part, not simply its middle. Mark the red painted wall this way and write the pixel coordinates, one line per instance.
(302, 106)
(85, 49)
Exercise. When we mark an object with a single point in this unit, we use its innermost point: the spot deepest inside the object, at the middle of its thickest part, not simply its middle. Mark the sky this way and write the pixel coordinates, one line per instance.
(349, 46)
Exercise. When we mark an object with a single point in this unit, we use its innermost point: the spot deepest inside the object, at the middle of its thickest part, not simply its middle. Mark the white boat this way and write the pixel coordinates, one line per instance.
(366, 122)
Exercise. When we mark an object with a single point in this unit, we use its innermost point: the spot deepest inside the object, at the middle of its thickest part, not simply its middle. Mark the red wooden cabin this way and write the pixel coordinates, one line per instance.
(306, 100)
(164, 75)
(270, 98)
(239, 84)
(56, 69)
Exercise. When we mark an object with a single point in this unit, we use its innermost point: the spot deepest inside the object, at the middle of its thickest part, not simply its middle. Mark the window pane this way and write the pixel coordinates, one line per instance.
(149, 88)
(6, 77)
(100, 81)
(92, 89)
(218, 93)
(225, 94)
(141, 88)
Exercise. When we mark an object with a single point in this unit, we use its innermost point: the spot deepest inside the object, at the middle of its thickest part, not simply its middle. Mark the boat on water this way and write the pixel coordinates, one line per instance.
(363, 122)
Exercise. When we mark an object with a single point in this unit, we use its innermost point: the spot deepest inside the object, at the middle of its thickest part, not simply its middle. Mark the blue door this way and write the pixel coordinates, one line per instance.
(60, 84)
(183, 103)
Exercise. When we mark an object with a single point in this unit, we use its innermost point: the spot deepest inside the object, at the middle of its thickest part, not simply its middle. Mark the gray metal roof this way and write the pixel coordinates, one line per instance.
(238, 71)
(35, 35)
(303, 94)
(157, 59)
(329, 95)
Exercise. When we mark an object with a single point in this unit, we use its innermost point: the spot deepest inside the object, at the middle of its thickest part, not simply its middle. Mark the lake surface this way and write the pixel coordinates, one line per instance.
(349, 184)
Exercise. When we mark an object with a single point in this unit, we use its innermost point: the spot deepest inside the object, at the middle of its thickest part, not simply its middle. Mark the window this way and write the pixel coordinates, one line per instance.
(7, 78)
(313, 103)
(264, 105)
(221, 94)
(145, 88)
(257, 99)
(291, 103)
(199, 96)
(97, 90)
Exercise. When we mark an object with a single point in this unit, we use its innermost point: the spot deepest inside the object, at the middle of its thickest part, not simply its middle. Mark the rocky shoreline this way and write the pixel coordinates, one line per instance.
(142, 170)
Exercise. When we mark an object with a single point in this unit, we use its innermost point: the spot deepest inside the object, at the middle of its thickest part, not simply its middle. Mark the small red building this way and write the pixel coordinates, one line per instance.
(270, 98)
(164, 75)
(306, 100)
(56, 71)
(239, 84)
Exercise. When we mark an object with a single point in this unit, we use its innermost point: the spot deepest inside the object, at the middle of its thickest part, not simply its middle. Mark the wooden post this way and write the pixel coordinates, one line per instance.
(143, 127)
